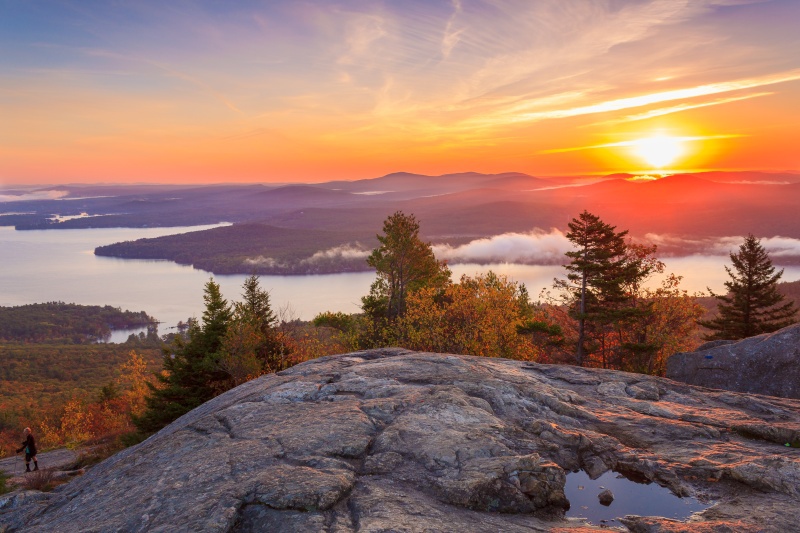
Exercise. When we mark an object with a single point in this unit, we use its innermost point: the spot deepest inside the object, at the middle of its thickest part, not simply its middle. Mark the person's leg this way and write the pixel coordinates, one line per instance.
(35, 463)
(27, 462)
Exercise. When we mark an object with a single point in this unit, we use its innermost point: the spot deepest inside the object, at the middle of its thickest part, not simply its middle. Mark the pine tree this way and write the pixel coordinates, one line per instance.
(597, 275)
(253, 345)
(403, 263)
(193, 375)
(753, 304)
(255, 305)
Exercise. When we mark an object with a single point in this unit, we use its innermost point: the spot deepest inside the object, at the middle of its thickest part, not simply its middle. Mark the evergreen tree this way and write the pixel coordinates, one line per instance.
(216, 318)
(193, 375)
(597, 276)
(255, 305)
(253, 344)
(753, 304)
(403, 263)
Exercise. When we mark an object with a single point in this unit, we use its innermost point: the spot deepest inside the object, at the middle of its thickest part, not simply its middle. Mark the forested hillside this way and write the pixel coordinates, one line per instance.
(59, 322)
(38, 376)
(254, 248)
(303, 229)
(63, 389)
(52, 363)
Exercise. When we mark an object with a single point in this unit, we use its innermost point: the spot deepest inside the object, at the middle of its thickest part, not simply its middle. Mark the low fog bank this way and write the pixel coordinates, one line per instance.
(540, 247)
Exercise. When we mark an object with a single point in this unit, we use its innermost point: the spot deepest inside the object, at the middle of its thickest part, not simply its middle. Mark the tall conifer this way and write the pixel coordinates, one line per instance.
(753, 304)
(254, 317)
(597, 275)
(193, 375)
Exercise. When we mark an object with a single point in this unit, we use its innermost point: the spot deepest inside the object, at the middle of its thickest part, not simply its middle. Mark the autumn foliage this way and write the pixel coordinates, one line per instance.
(81, 419)
(477, 316)
(607, 312)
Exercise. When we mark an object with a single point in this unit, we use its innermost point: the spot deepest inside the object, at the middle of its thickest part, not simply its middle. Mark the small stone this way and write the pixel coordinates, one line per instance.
(606, 497)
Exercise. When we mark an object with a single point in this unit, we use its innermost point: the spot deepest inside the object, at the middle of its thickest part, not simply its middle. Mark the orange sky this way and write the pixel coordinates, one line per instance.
(313, 91)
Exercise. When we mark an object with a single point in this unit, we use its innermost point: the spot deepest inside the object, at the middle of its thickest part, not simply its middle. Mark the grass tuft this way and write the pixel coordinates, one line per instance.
(43, 479)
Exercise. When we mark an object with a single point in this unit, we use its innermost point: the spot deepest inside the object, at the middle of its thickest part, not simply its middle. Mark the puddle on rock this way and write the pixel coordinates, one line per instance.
(630, 497)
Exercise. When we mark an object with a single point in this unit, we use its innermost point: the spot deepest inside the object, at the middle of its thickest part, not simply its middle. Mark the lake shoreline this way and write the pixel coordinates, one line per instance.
(47, 266)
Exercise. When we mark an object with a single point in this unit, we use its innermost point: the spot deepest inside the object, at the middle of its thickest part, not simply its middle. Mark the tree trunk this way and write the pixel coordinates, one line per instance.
(579, 356)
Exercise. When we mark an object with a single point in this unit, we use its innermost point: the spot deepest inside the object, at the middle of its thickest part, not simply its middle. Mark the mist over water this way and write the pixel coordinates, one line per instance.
(59, 265)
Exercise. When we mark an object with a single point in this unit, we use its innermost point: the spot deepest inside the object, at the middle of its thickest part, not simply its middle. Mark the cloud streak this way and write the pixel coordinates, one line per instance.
(262, 261)
(37, 195)
(371, 87)
(535, 247)
(343, 252)
(452, 35)
(621, 104)
(776, 246)
(682, 107)
(539, 247)
(635, 142)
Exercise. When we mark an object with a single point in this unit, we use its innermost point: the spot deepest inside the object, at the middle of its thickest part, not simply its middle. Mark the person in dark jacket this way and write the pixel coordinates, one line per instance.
(29, 445)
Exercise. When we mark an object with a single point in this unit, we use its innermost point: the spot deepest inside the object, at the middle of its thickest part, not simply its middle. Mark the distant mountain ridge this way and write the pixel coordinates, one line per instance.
(687, 209)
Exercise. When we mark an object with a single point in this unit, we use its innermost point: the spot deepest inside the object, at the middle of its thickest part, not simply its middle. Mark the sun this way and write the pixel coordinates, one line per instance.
(659, 150)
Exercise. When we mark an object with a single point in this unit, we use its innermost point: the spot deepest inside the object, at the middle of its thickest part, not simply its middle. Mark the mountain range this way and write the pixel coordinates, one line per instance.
(285, 225)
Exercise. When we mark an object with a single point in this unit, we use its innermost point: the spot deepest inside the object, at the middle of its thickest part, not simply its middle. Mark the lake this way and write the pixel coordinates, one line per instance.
(60, 265)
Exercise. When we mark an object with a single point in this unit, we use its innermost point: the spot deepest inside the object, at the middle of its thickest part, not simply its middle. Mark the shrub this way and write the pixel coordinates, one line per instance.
(4, 488)
(43, 479)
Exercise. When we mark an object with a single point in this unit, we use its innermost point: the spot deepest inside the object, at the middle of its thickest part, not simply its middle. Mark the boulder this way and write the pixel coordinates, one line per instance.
(393, 440)
(766, 364)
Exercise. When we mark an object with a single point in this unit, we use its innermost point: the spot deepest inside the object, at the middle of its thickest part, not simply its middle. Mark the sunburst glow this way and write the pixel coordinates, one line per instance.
(659, 151)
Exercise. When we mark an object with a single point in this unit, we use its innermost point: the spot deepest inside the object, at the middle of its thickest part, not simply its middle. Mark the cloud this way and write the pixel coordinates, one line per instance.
(636, 142)
(36, 195)
(781, 246)
(642, 100)
(682, 107)
(363, 31)
(537, 247)
(452, 36)
(345, 251)
(262, 261)
(775, 246)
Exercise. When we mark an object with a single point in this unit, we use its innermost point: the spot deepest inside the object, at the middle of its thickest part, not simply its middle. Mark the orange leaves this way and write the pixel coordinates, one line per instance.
(478, 316)
(133, 378)
(79, 421)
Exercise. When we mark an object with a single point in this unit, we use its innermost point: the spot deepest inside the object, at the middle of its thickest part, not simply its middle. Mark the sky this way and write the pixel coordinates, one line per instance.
(306, 91)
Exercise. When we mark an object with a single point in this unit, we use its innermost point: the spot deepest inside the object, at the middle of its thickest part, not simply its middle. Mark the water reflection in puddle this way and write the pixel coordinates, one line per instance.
(629, 498)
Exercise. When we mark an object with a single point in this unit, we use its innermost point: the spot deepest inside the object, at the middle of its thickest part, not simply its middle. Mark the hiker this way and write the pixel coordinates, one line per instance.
(29, 445)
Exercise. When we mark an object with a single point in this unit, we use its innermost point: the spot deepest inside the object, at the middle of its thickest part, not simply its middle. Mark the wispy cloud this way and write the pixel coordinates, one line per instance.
(682, 107)
(452, 35)
(262, 261)
(539, 247)
(776, 246)
(363, 30)
(620, 104)
(535, 247)
(635, 142)
(345, 251)
(372, 86)
(37, 195)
